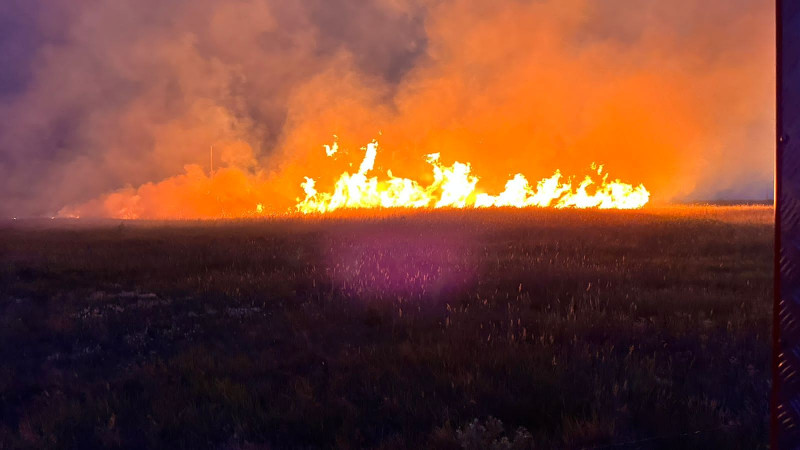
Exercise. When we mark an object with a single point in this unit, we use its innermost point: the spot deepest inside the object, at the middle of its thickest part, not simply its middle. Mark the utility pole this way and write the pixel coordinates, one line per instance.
(785, 401)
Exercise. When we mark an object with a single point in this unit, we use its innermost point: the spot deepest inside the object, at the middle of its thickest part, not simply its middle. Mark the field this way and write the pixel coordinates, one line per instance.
(490, 329)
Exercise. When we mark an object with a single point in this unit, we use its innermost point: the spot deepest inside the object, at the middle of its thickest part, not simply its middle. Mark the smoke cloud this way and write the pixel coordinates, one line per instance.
(110, 108)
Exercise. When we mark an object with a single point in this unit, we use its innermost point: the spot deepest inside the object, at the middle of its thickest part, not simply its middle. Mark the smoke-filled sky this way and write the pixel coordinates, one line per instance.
(114, 105)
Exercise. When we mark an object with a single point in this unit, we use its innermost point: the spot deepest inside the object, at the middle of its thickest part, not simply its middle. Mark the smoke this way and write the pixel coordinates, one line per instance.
(108, 107)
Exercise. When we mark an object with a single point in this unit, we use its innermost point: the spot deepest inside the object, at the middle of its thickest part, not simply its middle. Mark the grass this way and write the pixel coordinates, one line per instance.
(492, 329)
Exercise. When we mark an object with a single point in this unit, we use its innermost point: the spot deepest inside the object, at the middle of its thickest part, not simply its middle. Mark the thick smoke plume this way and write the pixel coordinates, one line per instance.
(110, 108)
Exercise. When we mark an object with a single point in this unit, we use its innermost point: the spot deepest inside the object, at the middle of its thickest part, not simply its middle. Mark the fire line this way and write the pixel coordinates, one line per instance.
(455, 186)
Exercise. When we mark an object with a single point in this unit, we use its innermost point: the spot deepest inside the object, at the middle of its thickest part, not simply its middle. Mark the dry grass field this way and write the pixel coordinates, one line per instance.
(482, 329)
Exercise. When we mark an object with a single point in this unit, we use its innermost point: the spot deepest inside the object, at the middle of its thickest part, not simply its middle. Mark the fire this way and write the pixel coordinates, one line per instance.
(455, 186)
(232, 192)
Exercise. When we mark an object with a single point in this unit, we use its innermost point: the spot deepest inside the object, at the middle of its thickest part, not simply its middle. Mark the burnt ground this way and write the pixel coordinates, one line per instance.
(512, 329)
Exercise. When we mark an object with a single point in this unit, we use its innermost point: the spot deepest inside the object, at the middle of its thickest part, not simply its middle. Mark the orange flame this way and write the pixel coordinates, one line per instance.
(454, 186)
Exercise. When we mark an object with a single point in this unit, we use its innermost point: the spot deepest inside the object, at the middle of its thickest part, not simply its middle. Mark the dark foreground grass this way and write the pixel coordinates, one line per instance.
(545, 329)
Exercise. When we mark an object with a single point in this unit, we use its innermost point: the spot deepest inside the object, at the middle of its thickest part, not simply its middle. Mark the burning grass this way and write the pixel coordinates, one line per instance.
(563, 328)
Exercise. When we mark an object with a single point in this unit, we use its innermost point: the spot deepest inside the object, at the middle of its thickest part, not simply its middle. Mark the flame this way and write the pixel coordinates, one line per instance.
(231, 192)
(455, 186)
(331, 150)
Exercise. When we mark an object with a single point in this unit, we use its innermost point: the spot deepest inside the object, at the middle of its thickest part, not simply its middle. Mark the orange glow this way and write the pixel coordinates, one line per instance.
(226, 194)
(502, 105)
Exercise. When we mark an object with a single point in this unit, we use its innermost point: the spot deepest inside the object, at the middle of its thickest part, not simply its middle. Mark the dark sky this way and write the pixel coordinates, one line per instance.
(96, 96)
